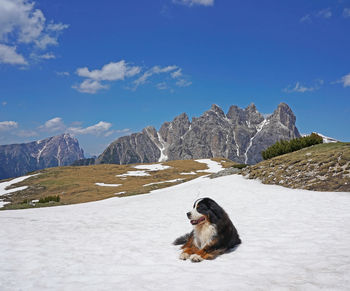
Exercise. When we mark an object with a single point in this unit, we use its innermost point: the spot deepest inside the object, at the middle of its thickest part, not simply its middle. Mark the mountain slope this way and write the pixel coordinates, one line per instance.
(18, 159)
(322, 167)
(291, 240)
(240, 135)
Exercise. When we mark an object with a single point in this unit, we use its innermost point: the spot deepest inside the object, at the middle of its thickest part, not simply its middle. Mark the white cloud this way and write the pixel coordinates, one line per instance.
(119, 71)
(62, 73)
(306, 18)
(183, 83)
(54, 124)
(346, 12)
(90, 86)
(56, 26)
(22, 24)
(345, 80)
(176, 74)
(97, 129)
(162, 86)
(195, 2)
(154, 71)
(4, 103)
(8, 55)
(298, 88)
(324, 13)
(110, 72)
(8, 125)
(46, 56)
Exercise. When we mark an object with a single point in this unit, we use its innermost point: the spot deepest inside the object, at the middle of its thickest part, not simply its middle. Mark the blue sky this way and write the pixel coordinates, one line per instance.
(103, 69)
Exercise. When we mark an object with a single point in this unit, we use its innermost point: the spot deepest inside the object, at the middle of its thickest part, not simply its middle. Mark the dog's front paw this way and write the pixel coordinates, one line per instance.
(196, 258)
(184, 256)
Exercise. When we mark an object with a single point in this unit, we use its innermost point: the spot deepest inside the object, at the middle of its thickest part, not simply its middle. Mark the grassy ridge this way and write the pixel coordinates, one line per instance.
(322, 167)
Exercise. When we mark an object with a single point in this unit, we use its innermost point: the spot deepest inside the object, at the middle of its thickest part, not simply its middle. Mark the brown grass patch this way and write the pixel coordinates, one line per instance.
(77, 184)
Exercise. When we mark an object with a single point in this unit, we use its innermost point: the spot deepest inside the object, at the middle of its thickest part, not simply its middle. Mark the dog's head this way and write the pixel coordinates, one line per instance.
(205, 209)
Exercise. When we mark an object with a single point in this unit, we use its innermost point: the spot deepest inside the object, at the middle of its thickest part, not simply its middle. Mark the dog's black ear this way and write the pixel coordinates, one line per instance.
(216, 212)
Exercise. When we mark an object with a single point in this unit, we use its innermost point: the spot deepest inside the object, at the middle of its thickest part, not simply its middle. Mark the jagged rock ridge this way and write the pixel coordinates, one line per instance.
(18, 159)
(239, 135)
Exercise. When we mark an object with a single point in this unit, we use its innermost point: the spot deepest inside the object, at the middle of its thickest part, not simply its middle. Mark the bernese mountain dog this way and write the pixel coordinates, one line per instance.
(213, 232)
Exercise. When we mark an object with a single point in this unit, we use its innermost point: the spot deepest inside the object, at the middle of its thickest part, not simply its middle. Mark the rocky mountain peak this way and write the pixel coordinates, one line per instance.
(240, 135)
(18, 159)
(251, 108)
(215, 108)
(285, 115)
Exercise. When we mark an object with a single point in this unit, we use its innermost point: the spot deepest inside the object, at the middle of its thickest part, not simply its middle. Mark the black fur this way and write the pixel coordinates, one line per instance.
(227, 236)
(182, 239)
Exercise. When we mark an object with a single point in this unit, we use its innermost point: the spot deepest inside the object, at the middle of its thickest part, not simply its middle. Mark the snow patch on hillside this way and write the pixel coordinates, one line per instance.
(134, 174)
(4, 185)
(107, 185)
(152, 167)
(213, 167)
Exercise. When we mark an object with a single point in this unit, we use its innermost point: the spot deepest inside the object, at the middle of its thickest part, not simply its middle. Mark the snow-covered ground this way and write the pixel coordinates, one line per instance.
(134, 174)
(107, 185)
(188, 173)
(213, 167)
(152, 167)
(292, 240)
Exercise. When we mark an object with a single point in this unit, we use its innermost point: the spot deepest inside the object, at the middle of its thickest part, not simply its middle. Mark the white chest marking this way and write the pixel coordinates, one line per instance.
(203, 235)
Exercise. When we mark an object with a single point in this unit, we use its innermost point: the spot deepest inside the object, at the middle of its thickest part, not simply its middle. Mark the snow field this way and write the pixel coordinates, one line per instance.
(291, 240)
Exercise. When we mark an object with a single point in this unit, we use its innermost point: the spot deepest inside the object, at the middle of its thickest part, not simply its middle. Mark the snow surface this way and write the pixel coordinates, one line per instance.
(213, 167)
(152, 167)
(327, 139)
(108, 185)
(161, 182)
(292, 240)
(163, 157)
(134, 173)
(4, 185)
(188, 173)
(259, 127)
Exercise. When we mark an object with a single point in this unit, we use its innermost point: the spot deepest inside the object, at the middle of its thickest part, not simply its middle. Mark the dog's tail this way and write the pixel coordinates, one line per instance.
(182, 239)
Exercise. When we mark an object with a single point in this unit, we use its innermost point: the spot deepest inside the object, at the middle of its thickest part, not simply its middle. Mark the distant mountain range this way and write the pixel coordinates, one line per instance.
(18, 159)
(240, 135)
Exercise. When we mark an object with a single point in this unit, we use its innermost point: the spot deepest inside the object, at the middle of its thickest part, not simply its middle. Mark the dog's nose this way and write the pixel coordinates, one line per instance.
(188, 215)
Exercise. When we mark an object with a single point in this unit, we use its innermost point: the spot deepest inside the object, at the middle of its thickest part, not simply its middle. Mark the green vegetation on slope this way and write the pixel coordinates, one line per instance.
(287, 146)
